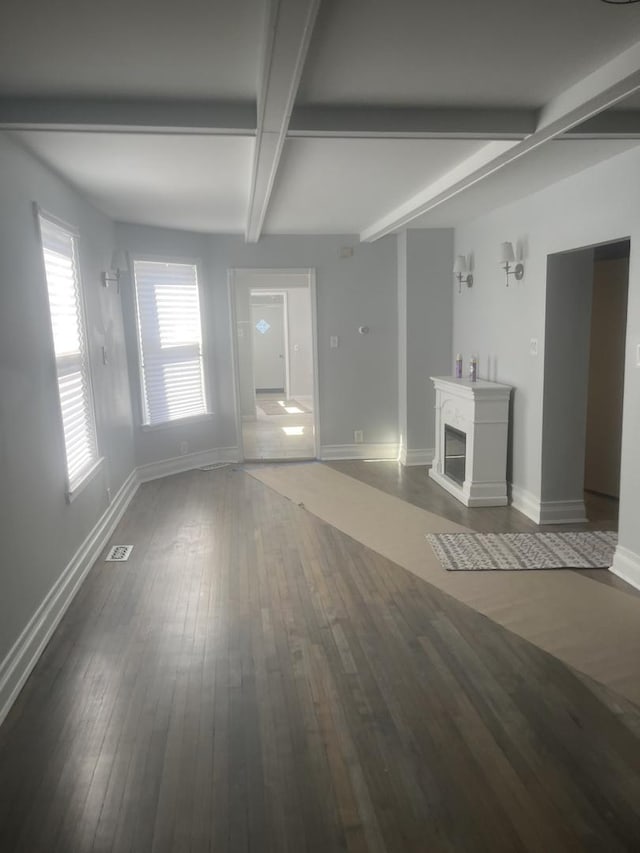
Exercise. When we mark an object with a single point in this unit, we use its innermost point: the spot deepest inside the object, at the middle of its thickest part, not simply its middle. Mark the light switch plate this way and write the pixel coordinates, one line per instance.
(533, 346)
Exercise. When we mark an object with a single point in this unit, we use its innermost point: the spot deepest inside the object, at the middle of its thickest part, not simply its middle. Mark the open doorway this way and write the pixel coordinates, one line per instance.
(275, 363)
(269, 327)
(586, 319)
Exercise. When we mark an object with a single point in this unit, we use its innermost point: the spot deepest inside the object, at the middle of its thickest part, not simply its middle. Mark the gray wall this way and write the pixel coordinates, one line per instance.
(566, 375)
(425, 306)
(429, 323)
(31, 465)
(300, 343)
(600, 204)
(606, 376)
(357, 381)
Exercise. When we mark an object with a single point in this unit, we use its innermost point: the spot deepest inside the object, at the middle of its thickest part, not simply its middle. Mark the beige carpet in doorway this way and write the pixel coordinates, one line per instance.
(588, 625)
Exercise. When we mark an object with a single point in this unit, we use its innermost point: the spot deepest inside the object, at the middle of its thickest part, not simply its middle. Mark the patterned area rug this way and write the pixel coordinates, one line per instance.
(282, 407)
(473, 552)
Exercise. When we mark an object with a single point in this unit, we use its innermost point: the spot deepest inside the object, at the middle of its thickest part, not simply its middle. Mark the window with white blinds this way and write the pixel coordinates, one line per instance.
(59, 247)
(170, 337)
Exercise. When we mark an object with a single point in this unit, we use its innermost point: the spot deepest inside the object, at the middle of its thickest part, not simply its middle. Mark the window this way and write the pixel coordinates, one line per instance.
(170, 337)
(60, 250)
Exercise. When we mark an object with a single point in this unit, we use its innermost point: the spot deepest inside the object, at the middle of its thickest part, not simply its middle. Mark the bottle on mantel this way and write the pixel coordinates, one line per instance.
(473, 369)
(459, 366)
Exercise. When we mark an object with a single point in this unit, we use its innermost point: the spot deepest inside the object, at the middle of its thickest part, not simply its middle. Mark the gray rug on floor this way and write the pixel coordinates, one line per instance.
(472, 552)
(273, 407)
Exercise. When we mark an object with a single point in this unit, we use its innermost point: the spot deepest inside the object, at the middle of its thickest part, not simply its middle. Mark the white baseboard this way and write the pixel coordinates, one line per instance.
(526, 503)
(331, 452)
(417, 457)
(547, 512)
(562, 512)
(23, 655)
(626, 565)
(179, 464)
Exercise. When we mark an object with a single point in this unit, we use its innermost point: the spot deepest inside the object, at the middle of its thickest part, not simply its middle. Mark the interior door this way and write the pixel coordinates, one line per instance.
(269, 365)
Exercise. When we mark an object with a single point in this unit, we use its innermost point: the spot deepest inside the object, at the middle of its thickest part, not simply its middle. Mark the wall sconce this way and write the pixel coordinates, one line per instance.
(119, 265)
(461, 272)
(507, 257)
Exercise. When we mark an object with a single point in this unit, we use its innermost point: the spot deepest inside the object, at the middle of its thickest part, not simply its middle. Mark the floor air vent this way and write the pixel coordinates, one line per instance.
(119, 554)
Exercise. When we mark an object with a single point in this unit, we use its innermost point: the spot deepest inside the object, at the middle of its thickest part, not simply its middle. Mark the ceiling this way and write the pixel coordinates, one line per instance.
(317, 116)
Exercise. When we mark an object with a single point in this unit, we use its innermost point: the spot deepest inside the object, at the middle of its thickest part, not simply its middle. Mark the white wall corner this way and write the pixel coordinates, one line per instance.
(25, 652)
(526, 503)
(189, 462)
(333, 452)
(626, 565)
(417, 457)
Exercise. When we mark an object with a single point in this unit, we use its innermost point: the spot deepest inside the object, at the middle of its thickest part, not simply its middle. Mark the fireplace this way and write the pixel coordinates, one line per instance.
(455, 454)
(470, 456)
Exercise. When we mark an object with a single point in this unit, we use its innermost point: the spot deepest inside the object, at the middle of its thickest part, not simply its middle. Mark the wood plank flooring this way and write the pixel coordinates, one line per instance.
(254, 680)
(412, 484)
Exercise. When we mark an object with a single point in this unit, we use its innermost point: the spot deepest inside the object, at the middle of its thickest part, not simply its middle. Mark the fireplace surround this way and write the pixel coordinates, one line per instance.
(472, 423)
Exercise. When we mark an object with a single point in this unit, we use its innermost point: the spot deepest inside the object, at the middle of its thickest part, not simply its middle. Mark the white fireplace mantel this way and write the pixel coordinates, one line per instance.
(479, 410)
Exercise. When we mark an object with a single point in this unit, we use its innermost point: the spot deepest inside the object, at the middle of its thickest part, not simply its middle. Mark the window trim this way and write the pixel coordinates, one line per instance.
(97, 463)
(207, 415)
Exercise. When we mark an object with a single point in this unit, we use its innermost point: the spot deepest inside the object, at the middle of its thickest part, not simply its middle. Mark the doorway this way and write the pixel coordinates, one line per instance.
(275, 363)
(585, 332)
(269, 323)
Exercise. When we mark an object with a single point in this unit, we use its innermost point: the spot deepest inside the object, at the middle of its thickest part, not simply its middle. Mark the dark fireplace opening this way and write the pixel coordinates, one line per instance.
(455, 454)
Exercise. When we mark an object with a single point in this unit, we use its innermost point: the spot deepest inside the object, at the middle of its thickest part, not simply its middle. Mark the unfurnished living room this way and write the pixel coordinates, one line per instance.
(319, 426)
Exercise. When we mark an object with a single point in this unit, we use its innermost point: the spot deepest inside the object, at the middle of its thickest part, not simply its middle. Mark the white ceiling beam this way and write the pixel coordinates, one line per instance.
(612, 124)
(132, 115)
(366, 122)
(600, 90)
(289, 27)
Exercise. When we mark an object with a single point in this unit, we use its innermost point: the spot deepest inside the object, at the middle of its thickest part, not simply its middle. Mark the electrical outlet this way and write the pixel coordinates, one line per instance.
(358, 436)
(533, 346)
(184, 448)
(334, 341)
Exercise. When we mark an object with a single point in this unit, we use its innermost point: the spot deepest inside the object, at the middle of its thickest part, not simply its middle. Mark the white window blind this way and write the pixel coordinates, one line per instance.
(170, 336)
(69, 341)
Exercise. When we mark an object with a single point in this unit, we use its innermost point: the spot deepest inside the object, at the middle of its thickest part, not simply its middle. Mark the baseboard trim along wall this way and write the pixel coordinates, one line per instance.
(188, 462)
(333, 452)
(547, 512)
(25, 652)
(417, 457)
(526, 503)
(562, 512)
(626, 565)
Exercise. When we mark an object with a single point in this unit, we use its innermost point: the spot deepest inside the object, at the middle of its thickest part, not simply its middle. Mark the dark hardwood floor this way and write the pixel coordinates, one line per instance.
(255, 680)
(412, 484)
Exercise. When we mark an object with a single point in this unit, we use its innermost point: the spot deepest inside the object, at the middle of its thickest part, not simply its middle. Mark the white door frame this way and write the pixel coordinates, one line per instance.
(231, 291)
